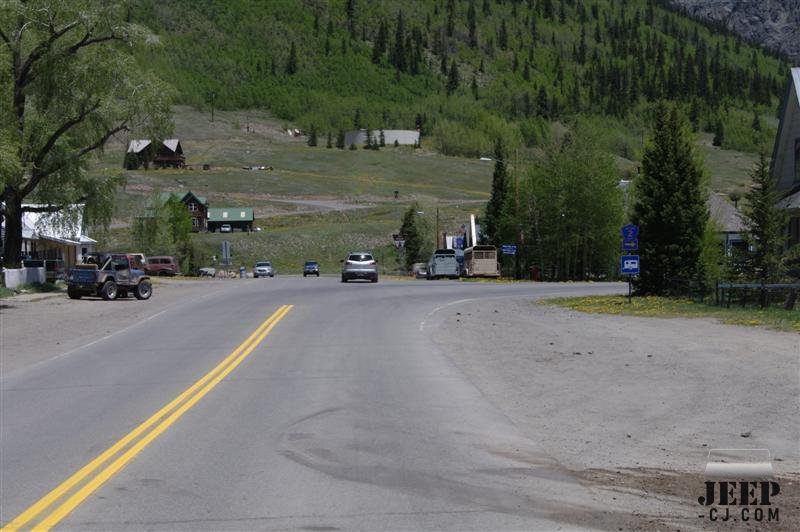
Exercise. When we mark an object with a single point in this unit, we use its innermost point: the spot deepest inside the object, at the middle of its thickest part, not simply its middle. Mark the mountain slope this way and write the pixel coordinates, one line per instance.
(774, 24)
(464, 71)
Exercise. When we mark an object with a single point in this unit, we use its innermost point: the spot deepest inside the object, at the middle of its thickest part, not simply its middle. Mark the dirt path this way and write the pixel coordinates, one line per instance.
(633, 405)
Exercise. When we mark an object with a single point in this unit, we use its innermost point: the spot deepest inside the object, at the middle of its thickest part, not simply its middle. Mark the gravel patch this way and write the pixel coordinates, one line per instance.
(631, 404)
(37, 327)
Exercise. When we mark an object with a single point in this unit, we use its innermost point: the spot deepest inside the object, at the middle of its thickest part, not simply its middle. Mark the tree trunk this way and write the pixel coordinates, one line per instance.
(12, 246)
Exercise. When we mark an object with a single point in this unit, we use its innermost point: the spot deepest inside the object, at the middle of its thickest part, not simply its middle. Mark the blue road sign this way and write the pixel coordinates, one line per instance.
(629, 264)
(509, 249)
(630, 237)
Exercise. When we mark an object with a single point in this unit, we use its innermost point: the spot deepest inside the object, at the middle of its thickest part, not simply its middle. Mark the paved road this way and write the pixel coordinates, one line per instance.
(345, 416)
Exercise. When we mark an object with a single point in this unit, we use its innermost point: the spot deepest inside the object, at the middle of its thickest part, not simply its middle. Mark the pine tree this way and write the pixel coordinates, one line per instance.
(410, 231)
(497, 200)
(765, 222)
(340, 139)
(502, 35)
(350, 12)
(474, 87)
(380, 42)
(670, 206)
(312, 136)
(472, 25)
(329, 144)
(291, 63)
(452, 78)
(719, 133)
(368, 140)
(399, 52)
(381, 139)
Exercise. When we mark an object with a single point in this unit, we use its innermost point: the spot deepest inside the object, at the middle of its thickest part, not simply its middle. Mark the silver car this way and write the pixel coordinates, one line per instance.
(359, 265)
(263, 269)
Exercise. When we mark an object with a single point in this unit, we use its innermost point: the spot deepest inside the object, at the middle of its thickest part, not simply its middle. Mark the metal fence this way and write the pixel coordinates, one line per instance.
(762, 294)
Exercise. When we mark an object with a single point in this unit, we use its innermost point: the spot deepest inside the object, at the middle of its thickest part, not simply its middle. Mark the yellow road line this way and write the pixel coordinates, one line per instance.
(205, 384)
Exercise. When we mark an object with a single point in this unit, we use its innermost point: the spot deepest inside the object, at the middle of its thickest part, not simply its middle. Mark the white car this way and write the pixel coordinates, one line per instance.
(263, 269)
(225, 228)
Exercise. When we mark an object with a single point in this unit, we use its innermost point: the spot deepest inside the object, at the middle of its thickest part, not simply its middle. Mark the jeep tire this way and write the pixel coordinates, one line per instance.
(109, 291)
(143, 290)
(73, 294)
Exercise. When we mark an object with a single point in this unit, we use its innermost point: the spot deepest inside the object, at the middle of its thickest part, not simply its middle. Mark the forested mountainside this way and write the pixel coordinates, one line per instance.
(773, 24)
(465, 71)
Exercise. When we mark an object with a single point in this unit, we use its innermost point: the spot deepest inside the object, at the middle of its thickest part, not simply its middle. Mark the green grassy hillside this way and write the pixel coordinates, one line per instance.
(466, 71)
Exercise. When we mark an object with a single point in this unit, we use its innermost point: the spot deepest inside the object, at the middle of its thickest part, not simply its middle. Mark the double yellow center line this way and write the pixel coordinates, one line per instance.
(142, 435)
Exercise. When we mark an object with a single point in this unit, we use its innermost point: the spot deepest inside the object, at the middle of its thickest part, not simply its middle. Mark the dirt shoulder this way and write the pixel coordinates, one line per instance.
(631, 406)
(37, 327)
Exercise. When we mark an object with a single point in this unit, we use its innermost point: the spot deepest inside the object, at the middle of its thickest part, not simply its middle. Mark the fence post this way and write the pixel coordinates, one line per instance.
(762, 297)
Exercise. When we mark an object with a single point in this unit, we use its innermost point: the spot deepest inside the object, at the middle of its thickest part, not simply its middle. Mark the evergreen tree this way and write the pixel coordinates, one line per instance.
(368, 140)
(451, 17)
(497, 200)
(399, 52)
(329, 144)
(452, 78)
(312, 136)
(291, 63)
(766, 226)
(340, 139)
(350, 12)
(719, 133)
(380, 42)
(414, 248)
(472, 25)
(381, 139)
(502, 35)
(756, 125)
(474, 87)
(670, 206)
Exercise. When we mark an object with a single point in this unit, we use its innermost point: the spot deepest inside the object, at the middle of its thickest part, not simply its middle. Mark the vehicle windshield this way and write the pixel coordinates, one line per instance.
(311, 263)
(262, 264)
(360, 257)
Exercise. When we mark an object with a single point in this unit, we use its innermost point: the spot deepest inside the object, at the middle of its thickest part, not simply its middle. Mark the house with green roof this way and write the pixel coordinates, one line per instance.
(240, 218)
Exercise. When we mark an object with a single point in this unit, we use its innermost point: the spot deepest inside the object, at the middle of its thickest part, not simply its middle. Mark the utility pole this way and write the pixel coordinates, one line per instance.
(213, 96)
(517, 274)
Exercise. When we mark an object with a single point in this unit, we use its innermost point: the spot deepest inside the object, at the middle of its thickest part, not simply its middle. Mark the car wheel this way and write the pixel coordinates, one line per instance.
(162, 273)
(143, 290)
(375, 280)
(304, 275)
(73, 294)
(344, 279)
(109, 291)
(317, 274)
(255, 276)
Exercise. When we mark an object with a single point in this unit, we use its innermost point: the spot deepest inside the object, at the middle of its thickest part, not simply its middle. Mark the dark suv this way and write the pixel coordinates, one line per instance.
(311, 267)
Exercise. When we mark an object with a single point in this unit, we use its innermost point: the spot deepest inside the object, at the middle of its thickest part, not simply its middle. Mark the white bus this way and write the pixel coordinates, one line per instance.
(481, 261)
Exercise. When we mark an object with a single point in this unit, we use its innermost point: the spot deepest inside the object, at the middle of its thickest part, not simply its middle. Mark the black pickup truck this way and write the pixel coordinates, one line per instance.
(108, 275)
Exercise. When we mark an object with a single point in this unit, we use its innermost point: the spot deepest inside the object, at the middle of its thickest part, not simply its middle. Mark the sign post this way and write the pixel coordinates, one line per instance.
(629, 264)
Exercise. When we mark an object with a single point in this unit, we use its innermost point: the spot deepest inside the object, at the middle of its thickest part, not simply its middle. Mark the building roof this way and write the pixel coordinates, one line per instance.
(231, 214)
(172, 144)
(792, 201)
(782, 163)
(137, 146)
(182, 196)
(722, 211)
(65, 228)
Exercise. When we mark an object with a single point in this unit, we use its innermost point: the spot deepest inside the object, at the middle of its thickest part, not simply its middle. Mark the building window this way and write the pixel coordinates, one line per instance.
(193, 207)
(195, 222)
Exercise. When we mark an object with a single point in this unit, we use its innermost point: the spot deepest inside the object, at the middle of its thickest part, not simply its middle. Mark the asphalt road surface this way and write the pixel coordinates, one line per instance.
(283, 403)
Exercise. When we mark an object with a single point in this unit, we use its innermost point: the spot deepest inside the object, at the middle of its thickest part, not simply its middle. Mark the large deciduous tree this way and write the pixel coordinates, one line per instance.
(670, 207)
(68, 83)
